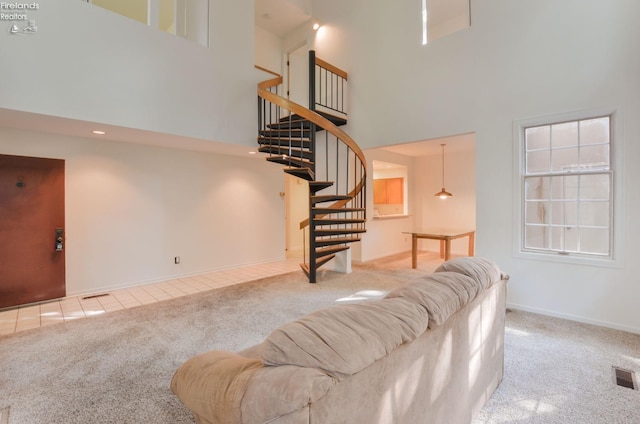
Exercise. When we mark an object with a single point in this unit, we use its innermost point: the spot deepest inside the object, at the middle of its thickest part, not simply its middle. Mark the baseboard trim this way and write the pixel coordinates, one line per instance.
(576, 318)
(133, 284)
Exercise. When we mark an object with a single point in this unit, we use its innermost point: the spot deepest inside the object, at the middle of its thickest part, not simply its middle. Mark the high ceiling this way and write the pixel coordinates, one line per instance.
(280, 17)
(456, 143)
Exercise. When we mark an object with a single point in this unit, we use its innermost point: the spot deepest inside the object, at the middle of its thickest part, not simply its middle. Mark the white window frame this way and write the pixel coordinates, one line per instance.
(614, 259)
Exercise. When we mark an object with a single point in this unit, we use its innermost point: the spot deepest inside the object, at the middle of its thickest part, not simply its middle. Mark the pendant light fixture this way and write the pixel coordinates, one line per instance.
(443, 194)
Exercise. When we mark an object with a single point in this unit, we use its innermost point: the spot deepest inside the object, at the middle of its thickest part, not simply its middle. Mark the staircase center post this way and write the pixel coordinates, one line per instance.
(312, 140)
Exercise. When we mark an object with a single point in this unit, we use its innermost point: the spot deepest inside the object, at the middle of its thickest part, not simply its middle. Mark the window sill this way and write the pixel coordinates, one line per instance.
(607, 262)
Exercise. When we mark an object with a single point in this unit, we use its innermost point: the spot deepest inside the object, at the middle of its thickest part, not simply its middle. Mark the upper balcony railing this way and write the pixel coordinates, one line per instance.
(328, 87)
(185, 18)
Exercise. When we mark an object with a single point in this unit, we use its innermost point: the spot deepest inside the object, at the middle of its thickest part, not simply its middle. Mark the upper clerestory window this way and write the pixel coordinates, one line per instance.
(443, 17)
(188, 19)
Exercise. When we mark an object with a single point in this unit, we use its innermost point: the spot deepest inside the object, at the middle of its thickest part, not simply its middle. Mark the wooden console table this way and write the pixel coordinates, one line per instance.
(445, 237)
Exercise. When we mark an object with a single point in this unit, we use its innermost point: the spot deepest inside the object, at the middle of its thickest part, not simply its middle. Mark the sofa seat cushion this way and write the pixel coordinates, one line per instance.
(482, 270)
(441, 295)
(345, 339)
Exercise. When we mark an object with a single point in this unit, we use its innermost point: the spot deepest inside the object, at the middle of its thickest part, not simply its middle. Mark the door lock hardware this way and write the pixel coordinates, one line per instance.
(59, 239)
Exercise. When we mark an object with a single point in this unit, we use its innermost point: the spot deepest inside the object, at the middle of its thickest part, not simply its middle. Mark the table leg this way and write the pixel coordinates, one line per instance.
(447, 249)
(414, 251)
(442, 248)
(472, 244)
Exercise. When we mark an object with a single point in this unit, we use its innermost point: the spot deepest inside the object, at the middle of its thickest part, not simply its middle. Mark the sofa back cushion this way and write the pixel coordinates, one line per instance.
(441, 295)
(345, 339)
(482, 270)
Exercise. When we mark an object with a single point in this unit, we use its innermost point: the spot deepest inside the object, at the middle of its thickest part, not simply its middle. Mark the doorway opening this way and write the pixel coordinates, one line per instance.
(422, 162)
(297, 75)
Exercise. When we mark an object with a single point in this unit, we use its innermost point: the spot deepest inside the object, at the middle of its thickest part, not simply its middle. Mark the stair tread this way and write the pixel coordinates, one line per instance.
(336, 240)
(284, 150)
(336, 120)
(338, 231)
(315, 186)
(293, 116)
(330, 250)
(286, 132)
(268, 129)
(328, 211)
(281, 137)
(338, 221)
(304, 173)
(299, 124)
(291, 161)
(283, 141)
(329, 198)
(323, 260)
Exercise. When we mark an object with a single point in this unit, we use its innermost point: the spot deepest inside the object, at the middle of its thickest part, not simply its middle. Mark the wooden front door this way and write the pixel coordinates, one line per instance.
(32, 261)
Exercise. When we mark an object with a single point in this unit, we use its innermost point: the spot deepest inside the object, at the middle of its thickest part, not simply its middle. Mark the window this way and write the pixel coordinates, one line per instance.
(567, 187)
(188, 19)
(443, 17)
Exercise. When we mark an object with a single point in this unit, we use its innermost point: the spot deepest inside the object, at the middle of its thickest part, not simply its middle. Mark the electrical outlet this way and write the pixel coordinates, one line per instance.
(176, 260)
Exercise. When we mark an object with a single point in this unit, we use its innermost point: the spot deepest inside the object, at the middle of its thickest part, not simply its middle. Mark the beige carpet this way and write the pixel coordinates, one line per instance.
(116, 368)
(560, 372)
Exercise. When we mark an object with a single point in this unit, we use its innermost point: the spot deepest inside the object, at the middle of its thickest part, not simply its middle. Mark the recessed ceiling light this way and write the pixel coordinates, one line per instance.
(316, 25)
(98, 132)
(252, 153)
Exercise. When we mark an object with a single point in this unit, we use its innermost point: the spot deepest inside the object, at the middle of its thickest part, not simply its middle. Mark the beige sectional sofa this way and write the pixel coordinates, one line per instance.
(431, 351)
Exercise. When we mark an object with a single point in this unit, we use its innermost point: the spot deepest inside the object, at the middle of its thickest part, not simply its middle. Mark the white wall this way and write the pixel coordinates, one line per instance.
(454, 213)
(268, 50)
(90, 64)
(519, 59)
(130, 209)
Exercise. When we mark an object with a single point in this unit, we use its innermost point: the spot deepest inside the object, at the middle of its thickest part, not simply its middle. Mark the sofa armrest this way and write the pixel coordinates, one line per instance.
(213, 384)
(224, 387)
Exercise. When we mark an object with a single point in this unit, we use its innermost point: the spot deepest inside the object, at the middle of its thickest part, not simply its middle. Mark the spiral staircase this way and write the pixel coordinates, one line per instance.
(310, 145)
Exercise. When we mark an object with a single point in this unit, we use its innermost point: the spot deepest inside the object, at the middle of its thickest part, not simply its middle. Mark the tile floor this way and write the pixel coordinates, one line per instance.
(70, 308)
